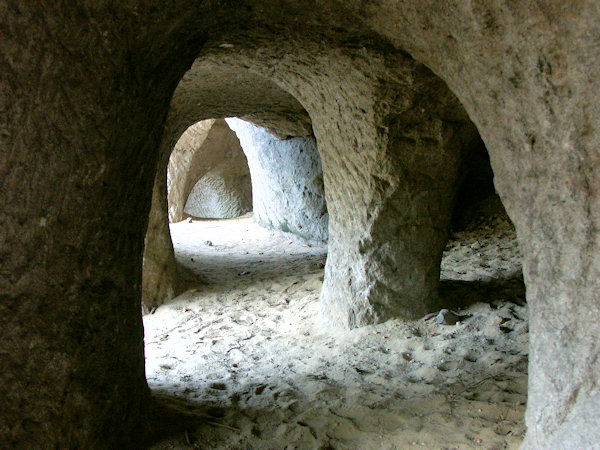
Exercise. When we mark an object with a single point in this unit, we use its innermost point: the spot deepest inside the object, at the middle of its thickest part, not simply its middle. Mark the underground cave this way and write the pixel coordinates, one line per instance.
(244, 351)
(395, 95)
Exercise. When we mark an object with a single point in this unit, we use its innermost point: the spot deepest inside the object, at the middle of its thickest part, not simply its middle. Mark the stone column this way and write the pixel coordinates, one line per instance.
(391, 149)
(529, 76)
(77, 164)
(547, 174)
(387, 238)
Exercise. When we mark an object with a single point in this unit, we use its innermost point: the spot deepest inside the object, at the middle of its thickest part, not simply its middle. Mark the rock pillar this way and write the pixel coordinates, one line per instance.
(391, 151)
(79, 130)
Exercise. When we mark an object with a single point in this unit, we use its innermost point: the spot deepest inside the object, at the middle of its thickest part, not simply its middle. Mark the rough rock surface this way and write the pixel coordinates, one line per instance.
(85, 90)
(390, 166)
(208, 147)
(187, 163)
(287, 182)
(220, 195)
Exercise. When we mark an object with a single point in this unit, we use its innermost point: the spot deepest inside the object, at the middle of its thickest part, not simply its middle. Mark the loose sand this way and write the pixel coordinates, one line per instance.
(247, 352)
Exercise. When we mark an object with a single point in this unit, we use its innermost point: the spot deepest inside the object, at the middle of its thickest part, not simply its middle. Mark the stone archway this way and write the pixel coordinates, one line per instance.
(208, 174)
(287, 182)
(85, 93)
(212, 88)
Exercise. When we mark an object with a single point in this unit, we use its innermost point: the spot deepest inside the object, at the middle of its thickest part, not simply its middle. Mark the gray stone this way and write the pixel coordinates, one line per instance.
(90, 109)
(194, 155)
(446, 317)
(287, 183)
(209, 165)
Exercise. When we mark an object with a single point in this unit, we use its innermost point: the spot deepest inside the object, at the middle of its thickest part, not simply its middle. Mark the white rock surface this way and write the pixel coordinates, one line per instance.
(287, 182)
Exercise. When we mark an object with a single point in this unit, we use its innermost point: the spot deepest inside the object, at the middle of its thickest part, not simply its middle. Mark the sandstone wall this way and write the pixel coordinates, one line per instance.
(220, 195)
(185, 168)
(84, 94)
(287, 183)
(208, 147)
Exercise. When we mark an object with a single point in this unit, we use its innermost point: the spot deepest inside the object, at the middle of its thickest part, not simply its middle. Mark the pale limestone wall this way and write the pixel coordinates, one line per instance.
(207, 147)
(287, 183)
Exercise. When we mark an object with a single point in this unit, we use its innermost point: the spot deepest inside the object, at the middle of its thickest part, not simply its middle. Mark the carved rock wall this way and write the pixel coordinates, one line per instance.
(287, 183)
(220, 194)
(84, 94)
(208, 147)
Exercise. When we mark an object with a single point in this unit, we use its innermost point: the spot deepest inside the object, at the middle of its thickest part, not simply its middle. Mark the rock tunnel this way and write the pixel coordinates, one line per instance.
(94, 98)
(208, 174)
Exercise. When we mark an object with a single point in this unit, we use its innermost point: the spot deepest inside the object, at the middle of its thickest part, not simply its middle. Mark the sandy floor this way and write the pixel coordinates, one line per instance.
(247, 351)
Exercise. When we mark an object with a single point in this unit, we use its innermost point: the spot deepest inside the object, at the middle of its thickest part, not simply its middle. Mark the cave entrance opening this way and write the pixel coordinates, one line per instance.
(482, 261)
(232, 342)
(247, 350)
(208, 175)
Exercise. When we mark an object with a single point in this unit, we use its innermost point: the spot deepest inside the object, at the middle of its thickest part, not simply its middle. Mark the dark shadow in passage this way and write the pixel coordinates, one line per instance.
(461, 294)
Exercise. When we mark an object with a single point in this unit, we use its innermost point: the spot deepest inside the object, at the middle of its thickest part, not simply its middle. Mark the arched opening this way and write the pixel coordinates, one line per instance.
(481, 232)
(208, 175)
(241, 352)
(85, 94)
(259, 280)
(287, 199)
